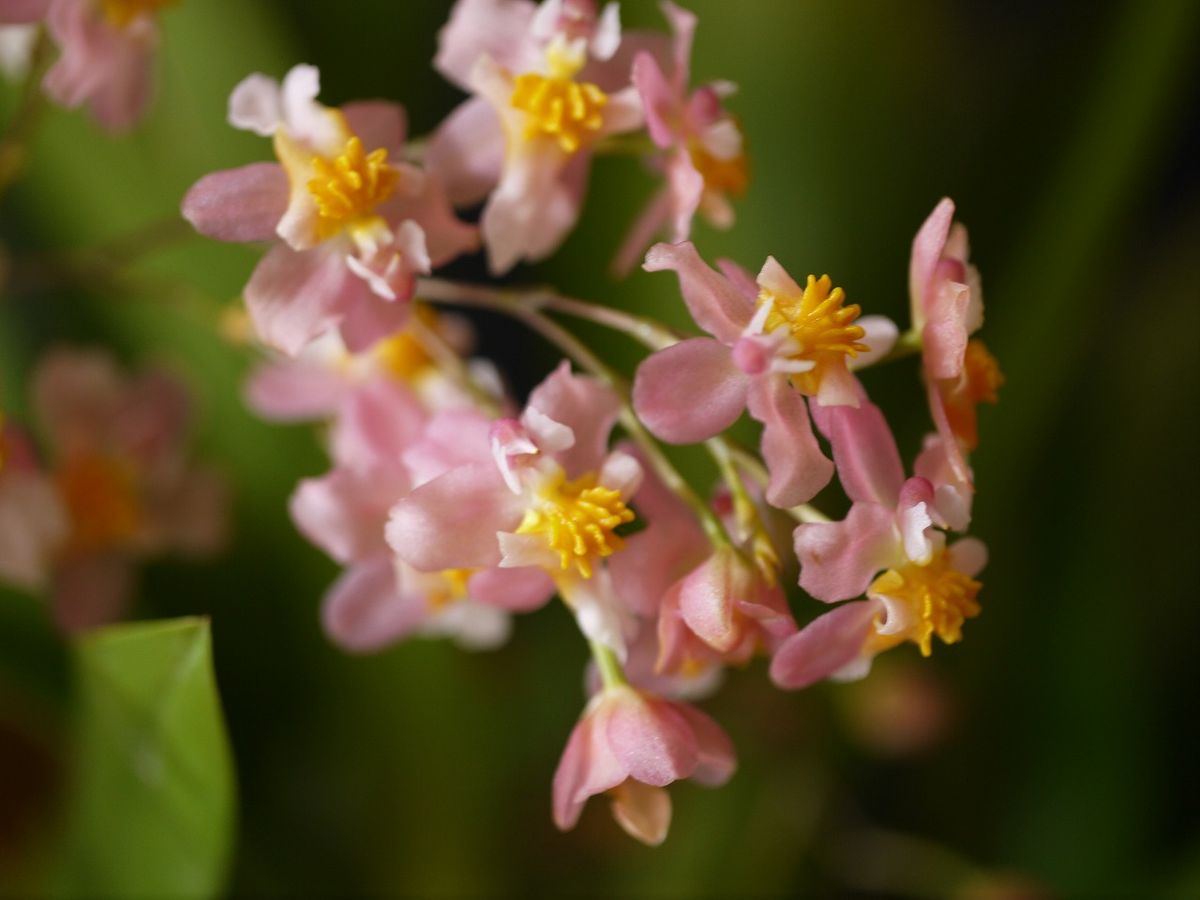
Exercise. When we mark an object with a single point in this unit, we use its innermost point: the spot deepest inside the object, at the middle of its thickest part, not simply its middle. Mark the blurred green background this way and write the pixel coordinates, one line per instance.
(1068, 734)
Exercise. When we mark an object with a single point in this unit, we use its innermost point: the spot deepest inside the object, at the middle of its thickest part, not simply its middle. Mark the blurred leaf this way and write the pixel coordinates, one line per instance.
(153, 803)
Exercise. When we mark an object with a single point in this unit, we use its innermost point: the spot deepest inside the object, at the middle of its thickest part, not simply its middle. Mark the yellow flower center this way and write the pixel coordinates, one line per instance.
(577, 519)
(980, 381)
(347, 189)
(101, 496)
(725, 176)
(820, 325)
(452, 589)
(556, 106)
(120, 13)
(939, 598)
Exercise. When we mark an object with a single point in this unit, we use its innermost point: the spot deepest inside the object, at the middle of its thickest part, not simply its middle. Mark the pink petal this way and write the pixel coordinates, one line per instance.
(587, 767)
(452, 438)
(880, 336)
(344, 512)
(926, 251)
(33, 525)
(718, 761)
(945, 336)
(76, 394)
(659, 98)
(914, 518)
(16, 12)
(586, 406)
(294, 297)
(295, 390)
(798, 469)
(650, 738)
(364, 610)
(517, 590)
(467, 152)
(741, 279)
(826, 646)
(839, 559)
(367, 318)
(240, 205)
(90, 591)
(689, 391)
(716, 305)
(446, 236)
(451, 522)
(377, 423)
(708, 596)
(496, 28)
(683, 29)
(969, 556)
(867, 459)
(378, 123)
(687, 192)
(955, 458)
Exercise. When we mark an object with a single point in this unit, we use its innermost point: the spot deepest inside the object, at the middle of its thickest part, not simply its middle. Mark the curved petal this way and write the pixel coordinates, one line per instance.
(944, 336)
(716, 305)
(825, 647)
(798, 469)
(586, 406)
(839, 559)
(364, 610)
(16, 12)
(376, 424)
(295, 390)
(240, 205)
(865, 452)
(378, 123)
(659, 98)
(968, 556)
(467, 152)
(690, 391)
(926, 251)
(643, 811)
(344, 512)
(587, 767)
(294, 296)
(650, 737)
(516, 590)
(451, 522)
(718, 761)
(496, 28)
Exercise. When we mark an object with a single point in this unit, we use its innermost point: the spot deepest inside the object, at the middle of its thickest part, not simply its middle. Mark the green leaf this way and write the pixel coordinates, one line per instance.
(153, 802)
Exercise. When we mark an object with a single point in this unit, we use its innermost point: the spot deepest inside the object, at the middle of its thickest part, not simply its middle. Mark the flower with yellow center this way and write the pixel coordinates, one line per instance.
(725, 176)
(122, 13)
(100, 494)
(453, 588)
(577, 519)
(937, 599)
(556, 105)
(821, 329)
(980, 381)
(348, 188)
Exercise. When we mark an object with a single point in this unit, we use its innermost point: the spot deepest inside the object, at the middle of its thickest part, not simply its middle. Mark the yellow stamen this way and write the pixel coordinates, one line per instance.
(939, 598)
(101, 496)
(571, 112)
(348, 188)
(820, 325)
(453, 589)
(120, 13)
(577, 520)
(403, 356)
(981, 379)
(725, 176)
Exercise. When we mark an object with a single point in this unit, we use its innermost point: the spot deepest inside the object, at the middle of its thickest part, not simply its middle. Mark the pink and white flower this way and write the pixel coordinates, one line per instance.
(352, 224)
(550, 499)
(773, 344)
(631, 745)
(33, 520)
(548, 82)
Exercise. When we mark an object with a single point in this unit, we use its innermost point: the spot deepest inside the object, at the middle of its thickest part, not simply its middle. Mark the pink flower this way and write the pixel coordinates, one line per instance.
(774, 343)
(926, 588)
(33, 520)
(355, 225)
(704, 162)
(632, 745)
(22, 12)
(107, 56)
(123, 478)
(551, 498)
(548, 83)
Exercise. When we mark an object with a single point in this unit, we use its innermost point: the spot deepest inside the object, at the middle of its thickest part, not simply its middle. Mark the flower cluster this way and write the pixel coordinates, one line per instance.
(452, 506)
(114, 486)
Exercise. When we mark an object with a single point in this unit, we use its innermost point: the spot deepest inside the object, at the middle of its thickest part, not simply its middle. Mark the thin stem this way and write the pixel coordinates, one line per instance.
(14, 150)
(611, 672)
(751, 528)
(644, 330)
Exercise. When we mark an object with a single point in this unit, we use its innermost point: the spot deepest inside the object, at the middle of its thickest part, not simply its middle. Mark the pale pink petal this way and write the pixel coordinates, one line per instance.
(365, 610)
(708, 596)
(451, 522)
(90, 591)
(798, 469)
(33, 524)
(239, 205)
(15, 12)
(741, 279)
(718, 761)
(926, 251)
(952, 497)
(75, 396)
(969, 556)
(683, 30)
(446, 237)
(344, 512)
(643, 811)
(295, 390)
(687, 192)
(716, 305)
(825, 647)
(690, 391)
(955, 458)
(774, 278)
(586, 406)
(622, 113)
(516, 590)
(867, 459)
(467, 151)
(650, 737)
(519, 551)
(587, 767)
(256, 105)
(455, 437)
(376, 424)
(914, 519)
(496, 28)
(880, 336)
(838, 387)
(307, 121)
(367, 318)
(294, 297)
(621, 472)
(839, 559)
(601, 615)
(660, 99)
(944, 336)
(378, 123)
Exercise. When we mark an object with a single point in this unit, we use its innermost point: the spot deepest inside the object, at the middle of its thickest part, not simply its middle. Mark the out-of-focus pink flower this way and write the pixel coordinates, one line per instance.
(22, 12)
(926, 588)
(33, 521)
(107, 56)
(769, 351)
(548, 83)
(120, 467)
(631, 745)
(947, 307)
(355, 224)
(705, 160)
(551, 498)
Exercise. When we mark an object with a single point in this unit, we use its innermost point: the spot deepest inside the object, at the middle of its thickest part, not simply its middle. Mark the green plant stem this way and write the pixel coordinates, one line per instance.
(609, 666)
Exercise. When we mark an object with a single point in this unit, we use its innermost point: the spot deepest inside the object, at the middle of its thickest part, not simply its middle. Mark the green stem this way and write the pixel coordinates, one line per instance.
(611, 672)
(907, 344)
